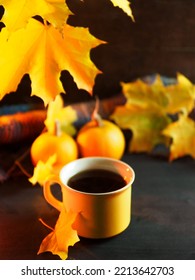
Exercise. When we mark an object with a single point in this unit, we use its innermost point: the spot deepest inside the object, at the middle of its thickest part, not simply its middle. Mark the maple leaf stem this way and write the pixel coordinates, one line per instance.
(45, 22)
(46, 225)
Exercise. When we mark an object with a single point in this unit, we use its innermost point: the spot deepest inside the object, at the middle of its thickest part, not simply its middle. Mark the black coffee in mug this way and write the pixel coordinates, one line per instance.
(96, 181)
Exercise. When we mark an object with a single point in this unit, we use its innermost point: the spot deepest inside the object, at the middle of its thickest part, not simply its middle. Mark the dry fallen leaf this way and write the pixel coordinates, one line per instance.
(146, 96)
(182, 133)
(168, 99)
(62, 236)
(145, 125)
(180, 96)
(150, 108)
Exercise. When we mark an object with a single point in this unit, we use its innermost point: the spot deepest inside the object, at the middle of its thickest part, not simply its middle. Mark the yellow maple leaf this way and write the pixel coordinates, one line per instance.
(42, 52)
(145, 125)
(18, 12)
(43, 170)
(146, 96)
(182, 133)
(124, 5)
(180, 96)
(169, 99)
(65, 116)
(148, 109)
(62, 236)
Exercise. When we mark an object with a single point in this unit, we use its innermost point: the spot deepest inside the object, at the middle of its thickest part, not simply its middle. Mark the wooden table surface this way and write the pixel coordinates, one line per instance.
(162, 225)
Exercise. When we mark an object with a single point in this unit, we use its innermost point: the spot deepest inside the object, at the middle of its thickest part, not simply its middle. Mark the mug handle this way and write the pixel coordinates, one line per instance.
(50, 198)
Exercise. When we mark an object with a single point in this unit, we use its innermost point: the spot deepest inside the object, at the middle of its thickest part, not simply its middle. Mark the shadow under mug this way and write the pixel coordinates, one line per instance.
(100, 215)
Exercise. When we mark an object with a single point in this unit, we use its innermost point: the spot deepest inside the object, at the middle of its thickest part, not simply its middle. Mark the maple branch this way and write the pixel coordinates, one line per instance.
(23, 169)
(17, 162)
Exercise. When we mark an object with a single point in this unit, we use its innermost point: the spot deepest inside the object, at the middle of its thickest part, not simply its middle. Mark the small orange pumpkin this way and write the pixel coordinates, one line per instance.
(47, 144)
(102, 138)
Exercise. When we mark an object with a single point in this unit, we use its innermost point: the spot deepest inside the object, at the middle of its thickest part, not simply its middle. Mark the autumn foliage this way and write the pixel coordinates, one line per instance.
(46, 45)
(43, 48)
(159, 114)
(37, 40)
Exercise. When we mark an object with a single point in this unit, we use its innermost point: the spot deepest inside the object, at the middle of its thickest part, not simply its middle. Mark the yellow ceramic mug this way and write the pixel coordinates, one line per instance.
(100, 215)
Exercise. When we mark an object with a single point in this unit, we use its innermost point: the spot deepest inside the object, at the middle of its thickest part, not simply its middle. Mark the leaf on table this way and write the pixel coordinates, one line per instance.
(149, 109)
(63, 236)
(43, 170)
(42, 52)
(146, 96)
(182, 133)
(169, 99)
(145, 125)
(18, 12)
(180, 96)
(65, 116)
(124, 5)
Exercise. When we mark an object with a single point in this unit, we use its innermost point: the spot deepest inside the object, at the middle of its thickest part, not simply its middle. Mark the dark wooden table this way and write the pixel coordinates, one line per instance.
(163, 215)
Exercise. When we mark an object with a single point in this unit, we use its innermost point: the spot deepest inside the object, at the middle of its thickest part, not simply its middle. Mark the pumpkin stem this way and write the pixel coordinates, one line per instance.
(57, 131)
(95, 116)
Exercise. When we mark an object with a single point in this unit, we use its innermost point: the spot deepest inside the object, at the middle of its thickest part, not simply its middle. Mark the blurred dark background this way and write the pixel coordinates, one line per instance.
(161, 40)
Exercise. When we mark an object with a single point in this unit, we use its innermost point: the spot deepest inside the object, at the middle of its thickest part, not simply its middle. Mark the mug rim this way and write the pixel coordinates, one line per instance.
(127, 185)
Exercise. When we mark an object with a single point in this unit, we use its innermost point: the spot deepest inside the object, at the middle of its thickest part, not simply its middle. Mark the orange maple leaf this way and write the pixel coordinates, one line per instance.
(61, 237)
(18, 12)
(43, 52)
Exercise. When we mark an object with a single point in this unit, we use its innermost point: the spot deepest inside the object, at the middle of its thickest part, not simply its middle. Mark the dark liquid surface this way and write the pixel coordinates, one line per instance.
(96, 181)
